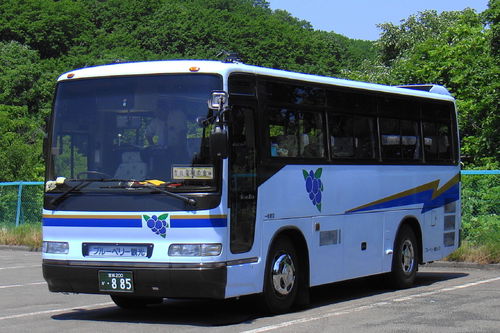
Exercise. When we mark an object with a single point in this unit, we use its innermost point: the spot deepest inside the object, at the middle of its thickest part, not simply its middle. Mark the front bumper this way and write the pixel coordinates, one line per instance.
(150, 280)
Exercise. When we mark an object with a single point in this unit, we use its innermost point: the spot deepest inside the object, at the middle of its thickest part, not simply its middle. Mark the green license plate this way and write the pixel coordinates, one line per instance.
(116, 281)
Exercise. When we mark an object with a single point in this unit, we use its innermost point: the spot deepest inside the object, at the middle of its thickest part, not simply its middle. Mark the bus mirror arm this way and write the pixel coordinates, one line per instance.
(218, 142)
(218, 136)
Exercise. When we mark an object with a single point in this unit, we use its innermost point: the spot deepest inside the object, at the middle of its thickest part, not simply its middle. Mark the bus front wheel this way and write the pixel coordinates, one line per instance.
(405, 259)
(281, 277)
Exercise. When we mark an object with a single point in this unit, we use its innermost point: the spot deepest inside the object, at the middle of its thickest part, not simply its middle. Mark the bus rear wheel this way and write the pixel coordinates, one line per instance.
(281, 277)
(128, 302)
(405, 259)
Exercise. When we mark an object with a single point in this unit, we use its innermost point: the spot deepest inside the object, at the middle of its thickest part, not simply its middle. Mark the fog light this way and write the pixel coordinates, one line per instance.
(55, 247)
(194, 250)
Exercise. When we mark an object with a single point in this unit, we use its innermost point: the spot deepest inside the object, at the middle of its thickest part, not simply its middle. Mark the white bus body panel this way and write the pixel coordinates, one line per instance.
(359, 241)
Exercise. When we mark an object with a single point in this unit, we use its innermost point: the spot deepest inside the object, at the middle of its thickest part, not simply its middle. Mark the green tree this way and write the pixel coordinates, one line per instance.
(20, 145)
(51, 27)
(452, 49)
(19, 71)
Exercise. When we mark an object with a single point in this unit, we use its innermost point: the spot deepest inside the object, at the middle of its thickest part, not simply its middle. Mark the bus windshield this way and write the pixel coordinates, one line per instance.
(141, 129)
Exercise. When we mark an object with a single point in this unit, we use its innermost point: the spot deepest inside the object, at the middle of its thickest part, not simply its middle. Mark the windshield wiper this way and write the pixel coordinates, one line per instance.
(189, 201)
(84, 183)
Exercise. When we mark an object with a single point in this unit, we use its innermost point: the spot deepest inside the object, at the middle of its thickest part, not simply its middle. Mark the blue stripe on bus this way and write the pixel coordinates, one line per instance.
(132, 223)
(91, 222)
(425, 197)
(429, 194)
(198, 223)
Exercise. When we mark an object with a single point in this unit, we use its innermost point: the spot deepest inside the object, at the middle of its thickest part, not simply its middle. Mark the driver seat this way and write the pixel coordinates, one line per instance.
(131, 167)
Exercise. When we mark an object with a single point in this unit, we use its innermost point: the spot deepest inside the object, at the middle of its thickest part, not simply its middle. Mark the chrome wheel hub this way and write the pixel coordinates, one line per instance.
(283, 274)
(407, 257)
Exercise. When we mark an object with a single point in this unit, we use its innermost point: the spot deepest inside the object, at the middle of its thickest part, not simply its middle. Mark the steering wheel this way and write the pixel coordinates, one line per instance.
(93, 173)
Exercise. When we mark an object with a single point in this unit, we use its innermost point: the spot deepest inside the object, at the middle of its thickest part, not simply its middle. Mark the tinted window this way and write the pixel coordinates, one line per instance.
(399, 140)
(349, 102)
(294, 94)
(437, 141)
(353, 137)
(437, 132)
(134, 128)
(295, 133)
(242, 85)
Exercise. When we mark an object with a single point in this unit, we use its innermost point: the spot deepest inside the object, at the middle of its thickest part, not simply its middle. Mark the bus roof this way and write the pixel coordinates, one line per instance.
(225, 68)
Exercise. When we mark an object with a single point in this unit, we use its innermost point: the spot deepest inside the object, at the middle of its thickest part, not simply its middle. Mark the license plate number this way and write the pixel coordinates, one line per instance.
(116, 281)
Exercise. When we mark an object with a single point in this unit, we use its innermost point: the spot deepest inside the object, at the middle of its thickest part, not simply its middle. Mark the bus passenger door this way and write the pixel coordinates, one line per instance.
(242, 178)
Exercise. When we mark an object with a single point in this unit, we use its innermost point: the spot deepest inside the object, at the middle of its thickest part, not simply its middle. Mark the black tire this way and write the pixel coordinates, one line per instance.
(405, 259)
(281, 279)
(128, 302)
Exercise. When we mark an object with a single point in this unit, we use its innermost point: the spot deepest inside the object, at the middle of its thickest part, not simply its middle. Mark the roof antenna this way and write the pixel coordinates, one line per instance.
(231, 57)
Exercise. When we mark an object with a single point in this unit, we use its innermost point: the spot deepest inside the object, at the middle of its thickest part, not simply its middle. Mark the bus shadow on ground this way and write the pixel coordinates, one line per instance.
(210, 313)
(340, 292)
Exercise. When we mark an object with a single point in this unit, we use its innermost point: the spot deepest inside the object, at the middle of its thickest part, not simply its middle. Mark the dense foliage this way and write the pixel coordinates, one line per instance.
(40, 39)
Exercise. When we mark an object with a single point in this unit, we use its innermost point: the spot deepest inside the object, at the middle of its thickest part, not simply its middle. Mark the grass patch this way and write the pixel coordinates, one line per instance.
(481, 240)
(26, 234)
(488, 253)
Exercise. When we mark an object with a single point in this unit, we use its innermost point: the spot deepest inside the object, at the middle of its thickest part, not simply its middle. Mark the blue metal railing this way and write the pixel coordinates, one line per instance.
(480, 172)
(19, 204)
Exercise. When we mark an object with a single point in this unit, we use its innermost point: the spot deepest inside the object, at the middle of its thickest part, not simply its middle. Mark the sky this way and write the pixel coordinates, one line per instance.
(357, 19)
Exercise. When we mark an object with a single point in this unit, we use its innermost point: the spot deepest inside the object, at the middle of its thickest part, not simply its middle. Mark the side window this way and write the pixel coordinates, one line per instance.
(437, 141)
(295, 94)
(399, 139)
(294, 133)
(342, 136)
(353, 137)
(437, 133)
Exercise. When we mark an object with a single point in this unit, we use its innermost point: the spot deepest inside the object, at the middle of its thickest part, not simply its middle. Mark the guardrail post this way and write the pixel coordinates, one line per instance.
(19, 195)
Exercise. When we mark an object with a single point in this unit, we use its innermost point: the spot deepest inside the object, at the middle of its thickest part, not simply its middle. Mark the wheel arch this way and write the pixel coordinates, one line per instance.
(414, 225)
(299, 241)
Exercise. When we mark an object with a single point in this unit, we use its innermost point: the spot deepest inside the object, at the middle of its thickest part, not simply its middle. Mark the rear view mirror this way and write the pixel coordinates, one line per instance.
(217, 100)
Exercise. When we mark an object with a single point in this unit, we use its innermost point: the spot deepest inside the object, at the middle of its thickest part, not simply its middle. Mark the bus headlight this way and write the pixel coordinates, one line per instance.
(55, 247)
(194, 250)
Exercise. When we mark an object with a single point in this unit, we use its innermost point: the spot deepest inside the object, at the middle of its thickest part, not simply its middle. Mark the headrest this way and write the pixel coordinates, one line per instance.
(131, 157)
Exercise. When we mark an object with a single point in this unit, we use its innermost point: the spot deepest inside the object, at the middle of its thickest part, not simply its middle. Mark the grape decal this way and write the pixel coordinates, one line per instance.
(157, 224)
(314, 186)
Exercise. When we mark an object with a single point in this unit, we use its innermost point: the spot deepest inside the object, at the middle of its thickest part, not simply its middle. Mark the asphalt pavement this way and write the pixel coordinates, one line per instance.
(447, 297)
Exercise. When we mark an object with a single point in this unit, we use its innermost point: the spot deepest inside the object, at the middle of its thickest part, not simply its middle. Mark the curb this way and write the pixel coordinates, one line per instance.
(19, 248)
(460, 264)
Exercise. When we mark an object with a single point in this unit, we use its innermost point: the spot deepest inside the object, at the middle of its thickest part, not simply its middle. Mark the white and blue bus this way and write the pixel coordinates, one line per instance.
(284, 181)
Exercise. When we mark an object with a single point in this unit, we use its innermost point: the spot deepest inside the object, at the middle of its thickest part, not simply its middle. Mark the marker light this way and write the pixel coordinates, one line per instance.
(70, 75)
(194, 250)
(194, 69)
(55, 247)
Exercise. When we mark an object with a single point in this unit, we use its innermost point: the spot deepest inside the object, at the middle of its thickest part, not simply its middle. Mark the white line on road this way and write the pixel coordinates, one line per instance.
(16, 267)
(366, 307)
(429, 293)
(22, 285)
(74, 308)
(38, 255)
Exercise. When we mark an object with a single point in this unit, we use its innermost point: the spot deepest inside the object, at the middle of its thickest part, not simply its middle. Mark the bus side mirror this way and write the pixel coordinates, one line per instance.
(218, 143)
(217, 101)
